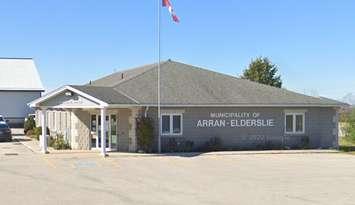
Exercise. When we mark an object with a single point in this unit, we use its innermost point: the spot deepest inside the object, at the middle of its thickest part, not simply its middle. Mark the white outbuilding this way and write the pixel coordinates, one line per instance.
(20, 84)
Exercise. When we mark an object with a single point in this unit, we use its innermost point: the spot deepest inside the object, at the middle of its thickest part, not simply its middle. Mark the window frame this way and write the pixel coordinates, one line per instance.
(171, 124)
(294, 125)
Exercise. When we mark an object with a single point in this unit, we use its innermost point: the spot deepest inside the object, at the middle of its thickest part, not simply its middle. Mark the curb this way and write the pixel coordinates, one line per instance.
(186, 154)
(196, 154)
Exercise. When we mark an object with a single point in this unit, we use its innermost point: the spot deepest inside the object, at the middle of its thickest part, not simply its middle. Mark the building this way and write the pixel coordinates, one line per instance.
(19, 84)
(197, 106)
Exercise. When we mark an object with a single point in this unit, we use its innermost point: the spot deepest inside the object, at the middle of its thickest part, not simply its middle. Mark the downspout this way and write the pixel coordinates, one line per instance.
(336, 129)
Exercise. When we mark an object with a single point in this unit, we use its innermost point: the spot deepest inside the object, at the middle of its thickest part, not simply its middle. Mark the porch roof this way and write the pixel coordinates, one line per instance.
(106, 94)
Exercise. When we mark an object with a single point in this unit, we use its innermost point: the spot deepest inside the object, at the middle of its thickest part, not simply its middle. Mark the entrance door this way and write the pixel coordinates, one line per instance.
(111, 131)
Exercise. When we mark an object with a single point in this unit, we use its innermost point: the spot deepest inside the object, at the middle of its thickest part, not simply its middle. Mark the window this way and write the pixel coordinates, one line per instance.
(176, 124)
(93, 123)
(289, 123)
(171, 124)
(294, 123)
(299, 123)
(165, 125)
(113, 135)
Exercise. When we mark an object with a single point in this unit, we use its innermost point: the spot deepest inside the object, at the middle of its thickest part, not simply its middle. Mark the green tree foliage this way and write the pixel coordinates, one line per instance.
(145, 133)
(349, 119)
(262, 70)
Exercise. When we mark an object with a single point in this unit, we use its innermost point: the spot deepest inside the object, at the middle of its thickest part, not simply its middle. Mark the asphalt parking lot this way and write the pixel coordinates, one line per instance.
(86, 178)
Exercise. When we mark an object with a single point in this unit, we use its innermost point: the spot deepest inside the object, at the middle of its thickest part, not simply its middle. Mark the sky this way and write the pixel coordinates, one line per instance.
(73, 42)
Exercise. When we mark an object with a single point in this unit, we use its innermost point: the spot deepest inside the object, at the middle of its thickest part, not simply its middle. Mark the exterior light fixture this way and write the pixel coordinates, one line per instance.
(68, 93)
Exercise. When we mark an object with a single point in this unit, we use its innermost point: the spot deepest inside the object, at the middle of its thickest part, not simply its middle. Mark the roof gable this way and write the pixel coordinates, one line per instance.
(19, 74)
(61, 100)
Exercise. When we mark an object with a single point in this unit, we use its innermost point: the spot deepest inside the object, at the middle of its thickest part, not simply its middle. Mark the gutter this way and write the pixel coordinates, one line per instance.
(223, 105)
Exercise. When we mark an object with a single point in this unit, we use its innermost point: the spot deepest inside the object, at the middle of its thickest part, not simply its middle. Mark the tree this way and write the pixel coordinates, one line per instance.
(262, 70)
(145, 133)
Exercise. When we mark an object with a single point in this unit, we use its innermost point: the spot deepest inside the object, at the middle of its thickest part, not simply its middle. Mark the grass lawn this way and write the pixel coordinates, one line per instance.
(346, 142)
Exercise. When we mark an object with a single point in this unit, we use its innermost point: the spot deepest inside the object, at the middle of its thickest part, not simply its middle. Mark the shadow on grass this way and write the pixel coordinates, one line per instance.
(347, 148)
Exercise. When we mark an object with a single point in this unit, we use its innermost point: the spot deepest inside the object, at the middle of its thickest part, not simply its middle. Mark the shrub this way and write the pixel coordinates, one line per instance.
(172, 145)
(188, 146)
(305, 142)
(37, 131)
(30, 124)
(145, 133)
(180, 146)
(58, 142)
(271, 144)
(213, 144)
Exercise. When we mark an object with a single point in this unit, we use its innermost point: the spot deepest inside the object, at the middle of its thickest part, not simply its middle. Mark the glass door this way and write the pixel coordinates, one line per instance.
(93, 130)
(111, 131)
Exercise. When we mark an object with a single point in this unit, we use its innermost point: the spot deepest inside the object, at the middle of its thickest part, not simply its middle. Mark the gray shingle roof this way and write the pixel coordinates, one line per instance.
(183, 84)
(106, 94)
(118, 77)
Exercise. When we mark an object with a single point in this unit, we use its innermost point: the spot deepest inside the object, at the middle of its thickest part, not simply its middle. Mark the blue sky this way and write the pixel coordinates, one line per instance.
(312, 42)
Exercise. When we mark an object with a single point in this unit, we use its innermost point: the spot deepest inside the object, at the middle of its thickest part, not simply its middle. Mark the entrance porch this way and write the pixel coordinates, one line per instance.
(101, 129)
(88, 118)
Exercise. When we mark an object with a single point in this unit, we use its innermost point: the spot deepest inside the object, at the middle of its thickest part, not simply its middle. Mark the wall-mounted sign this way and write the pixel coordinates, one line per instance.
(235, 119)
(78, 101)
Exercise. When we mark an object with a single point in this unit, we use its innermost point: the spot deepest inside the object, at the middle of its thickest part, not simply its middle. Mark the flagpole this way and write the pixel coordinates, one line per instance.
(159, 120)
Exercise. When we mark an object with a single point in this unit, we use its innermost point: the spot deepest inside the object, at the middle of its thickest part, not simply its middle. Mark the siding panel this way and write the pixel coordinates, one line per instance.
(319, 127)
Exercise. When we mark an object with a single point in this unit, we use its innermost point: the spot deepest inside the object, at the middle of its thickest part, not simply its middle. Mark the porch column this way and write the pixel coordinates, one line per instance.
(103, 132)
(132, 130)
(43, 139)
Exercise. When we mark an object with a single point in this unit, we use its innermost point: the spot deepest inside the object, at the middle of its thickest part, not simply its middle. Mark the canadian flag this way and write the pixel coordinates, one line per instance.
(167, 3)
